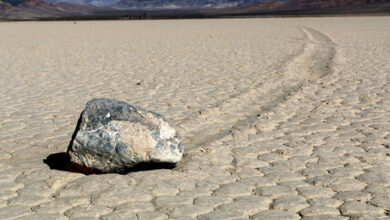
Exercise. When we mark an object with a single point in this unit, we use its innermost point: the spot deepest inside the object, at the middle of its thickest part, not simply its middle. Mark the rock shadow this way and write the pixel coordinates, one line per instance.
(61, 161)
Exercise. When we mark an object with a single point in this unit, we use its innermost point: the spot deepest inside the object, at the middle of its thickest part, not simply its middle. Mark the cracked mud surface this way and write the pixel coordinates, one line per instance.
(281, 118)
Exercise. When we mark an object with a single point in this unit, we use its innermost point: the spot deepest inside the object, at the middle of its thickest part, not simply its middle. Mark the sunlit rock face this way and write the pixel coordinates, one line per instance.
(114, 136)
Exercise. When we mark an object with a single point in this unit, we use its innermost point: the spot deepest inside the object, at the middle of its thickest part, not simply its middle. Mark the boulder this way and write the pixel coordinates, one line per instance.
(114, 136)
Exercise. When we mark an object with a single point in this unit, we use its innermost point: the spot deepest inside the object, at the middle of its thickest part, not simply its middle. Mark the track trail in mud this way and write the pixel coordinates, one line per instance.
(312, 62)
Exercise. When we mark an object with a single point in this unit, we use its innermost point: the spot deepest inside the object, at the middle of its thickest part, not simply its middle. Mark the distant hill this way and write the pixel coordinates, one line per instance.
(162, 4)
(299, 5)
(39, 9)
(142, 9)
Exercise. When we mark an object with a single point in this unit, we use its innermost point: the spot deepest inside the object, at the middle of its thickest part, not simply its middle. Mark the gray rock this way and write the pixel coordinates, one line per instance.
(114, 136)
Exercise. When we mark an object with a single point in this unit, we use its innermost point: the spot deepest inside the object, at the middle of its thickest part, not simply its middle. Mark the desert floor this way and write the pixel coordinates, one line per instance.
(281, 118)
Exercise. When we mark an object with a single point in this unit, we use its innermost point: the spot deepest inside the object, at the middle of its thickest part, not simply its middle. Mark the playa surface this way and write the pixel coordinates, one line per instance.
(281, 118)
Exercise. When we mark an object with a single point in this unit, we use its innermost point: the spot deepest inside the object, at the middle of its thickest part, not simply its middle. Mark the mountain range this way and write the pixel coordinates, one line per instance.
(88, 9)
(160, 4)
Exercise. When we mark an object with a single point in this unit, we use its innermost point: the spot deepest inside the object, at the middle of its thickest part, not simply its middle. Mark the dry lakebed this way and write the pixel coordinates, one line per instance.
(281, 118)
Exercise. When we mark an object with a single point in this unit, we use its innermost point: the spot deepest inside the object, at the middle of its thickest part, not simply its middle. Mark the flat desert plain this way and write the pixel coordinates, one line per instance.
(282, 118)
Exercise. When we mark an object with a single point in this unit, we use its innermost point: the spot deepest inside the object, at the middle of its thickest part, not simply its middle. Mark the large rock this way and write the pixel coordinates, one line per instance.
(113, 136)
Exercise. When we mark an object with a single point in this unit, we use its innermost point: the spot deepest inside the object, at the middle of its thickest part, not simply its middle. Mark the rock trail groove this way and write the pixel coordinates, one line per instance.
(313, 61)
